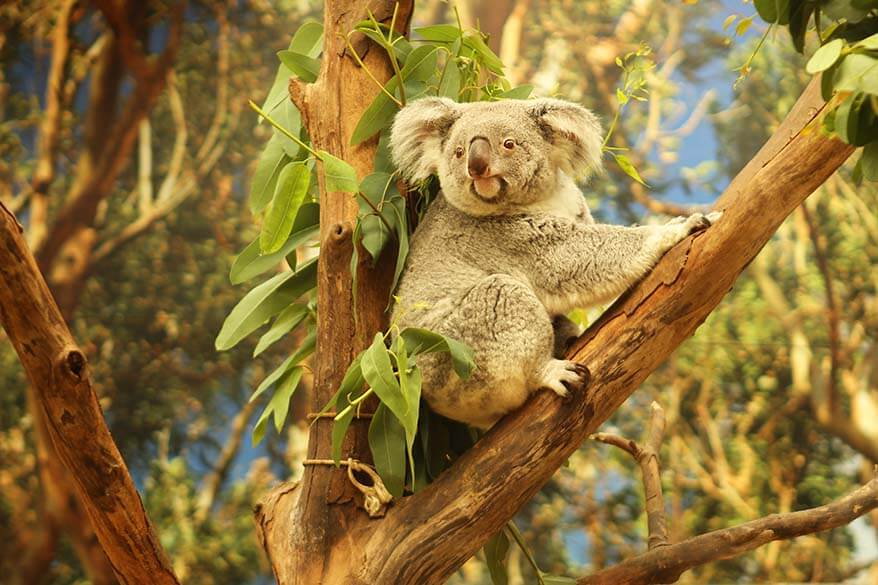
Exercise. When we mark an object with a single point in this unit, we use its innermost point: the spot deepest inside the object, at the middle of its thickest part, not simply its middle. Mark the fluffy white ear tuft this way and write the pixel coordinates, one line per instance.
(417, 135)
(574, 133)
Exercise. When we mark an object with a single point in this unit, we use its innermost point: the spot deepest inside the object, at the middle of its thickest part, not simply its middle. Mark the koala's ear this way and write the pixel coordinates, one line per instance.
(417, 135)
(574, 133)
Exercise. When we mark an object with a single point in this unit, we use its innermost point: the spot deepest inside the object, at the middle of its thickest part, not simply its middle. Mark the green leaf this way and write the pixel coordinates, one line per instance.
(251, 262)
(743, 26)
(487, 56)
(380, 190)
(272, 160)
(306, 349)
(773, 10)
(387, 442)
(522, 92)
(350, 388)
(857, 72)
(558, 580)
(279, 404)
(449, 85)
(402, 233)
(800, 16)
(495, 557)
(292, 185)
(869, 43)
(286, 321)
(869, 162)
(444, 33)
(419, 341)
(421, 63)
(627, 167)
(308, 39)
(338, 175)
(825, 57)
(410, 386)
(305, 67)
(512, 530)
(378, 372)
(263, 302)
(377, 116)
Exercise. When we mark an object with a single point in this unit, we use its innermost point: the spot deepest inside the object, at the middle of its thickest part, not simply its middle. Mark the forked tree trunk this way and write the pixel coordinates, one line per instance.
(324, 506)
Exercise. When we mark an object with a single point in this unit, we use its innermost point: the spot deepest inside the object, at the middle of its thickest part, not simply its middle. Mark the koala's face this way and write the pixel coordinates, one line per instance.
(495, 157)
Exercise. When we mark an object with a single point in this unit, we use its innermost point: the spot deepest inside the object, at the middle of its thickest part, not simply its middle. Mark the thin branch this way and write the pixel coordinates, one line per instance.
(647, 458)
(214, 480)
(832, 315)
(668, 563)
(50, 126)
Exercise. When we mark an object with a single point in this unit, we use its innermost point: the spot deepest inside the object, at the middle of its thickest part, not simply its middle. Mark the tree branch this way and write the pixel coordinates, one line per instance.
(59, 373)
(453, 517)
(647, 457)
(668, 563)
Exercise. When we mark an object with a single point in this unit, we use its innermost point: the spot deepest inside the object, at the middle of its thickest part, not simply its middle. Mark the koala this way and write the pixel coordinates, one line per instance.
(509, 246)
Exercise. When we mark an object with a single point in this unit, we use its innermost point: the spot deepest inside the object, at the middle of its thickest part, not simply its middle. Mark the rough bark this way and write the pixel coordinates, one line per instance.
(58, 371)
(427, 536)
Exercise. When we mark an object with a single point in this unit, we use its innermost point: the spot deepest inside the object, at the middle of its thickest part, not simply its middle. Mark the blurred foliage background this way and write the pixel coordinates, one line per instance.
(772, 406)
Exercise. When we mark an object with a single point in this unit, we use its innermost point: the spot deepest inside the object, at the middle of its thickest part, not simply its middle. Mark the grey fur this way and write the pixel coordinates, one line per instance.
(499, 258)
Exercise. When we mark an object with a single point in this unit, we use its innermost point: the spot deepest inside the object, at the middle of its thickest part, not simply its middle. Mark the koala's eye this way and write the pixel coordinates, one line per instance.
(458, 152)
(508, 144)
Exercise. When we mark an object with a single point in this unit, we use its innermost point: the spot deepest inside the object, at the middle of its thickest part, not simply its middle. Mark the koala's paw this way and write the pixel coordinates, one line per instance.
(564, 376)
(696, 222)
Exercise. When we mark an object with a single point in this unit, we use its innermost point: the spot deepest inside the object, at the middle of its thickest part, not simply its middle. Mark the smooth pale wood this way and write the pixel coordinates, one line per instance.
(301, 528)
(59, 373)
(666, 564)
(425, 537)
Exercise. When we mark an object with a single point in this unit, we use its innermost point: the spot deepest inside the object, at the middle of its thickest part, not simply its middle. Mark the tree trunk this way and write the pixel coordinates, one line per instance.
(316, 518)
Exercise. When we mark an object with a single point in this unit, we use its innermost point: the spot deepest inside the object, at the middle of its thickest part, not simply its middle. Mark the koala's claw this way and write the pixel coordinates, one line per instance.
(564, 376)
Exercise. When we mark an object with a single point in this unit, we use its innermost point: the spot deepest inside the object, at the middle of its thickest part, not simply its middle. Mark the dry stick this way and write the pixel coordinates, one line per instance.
(668, 563)
(650, 468)
(59, 373)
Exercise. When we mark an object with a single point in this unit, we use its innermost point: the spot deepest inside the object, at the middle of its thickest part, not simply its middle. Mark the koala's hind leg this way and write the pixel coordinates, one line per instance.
(513, 339)
(566, 332)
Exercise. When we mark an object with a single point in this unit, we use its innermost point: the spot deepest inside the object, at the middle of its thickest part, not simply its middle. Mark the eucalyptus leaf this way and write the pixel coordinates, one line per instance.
(378, 372)
(522, 92)
(304, 67)
(496, 550)
(387, 443)
(285, 322)
(445, 33)
(627, 167)
(263, 302)
(292, 185)
(251, 262)
(350, 388)
(869, 162)
(271, 162)
(419, 340)
(825, 57)
(857, 72)
(279, 405)
(338, 175)
(449, 85)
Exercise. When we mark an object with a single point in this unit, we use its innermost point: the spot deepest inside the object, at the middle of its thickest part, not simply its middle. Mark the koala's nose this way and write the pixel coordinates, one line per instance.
(478, 161)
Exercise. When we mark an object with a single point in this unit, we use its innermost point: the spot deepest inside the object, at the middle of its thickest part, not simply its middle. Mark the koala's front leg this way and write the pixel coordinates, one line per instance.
(584, 265)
